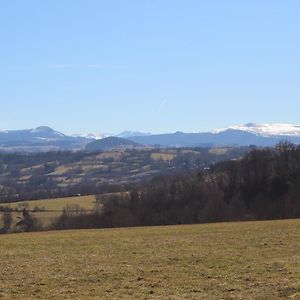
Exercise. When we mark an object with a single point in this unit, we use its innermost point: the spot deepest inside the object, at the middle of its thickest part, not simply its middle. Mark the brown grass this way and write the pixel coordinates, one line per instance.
(251, 260)
(163, 156)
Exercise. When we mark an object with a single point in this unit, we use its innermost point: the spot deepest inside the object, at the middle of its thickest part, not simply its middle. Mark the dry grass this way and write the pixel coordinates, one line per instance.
(115, 155)
(53, 207)
(218, 151)
(163, 156)
(86, 202)
(61, 170)
(252, 260)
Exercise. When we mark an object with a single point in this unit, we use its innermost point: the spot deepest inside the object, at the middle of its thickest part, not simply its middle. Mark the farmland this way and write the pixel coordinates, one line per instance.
(57, 204)
(250, 260)
(65, 174)
(47, 210)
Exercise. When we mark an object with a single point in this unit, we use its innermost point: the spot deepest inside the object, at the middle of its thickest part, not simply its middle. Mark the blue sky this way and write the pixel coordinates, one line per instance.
(151, 65)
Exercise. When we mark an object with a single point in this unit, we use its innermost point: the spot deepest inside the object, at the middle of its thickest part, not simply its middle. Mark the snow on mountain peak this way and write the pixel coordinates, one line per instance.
(276, 129)
(128, 133)
(92, 136)
(46, 130)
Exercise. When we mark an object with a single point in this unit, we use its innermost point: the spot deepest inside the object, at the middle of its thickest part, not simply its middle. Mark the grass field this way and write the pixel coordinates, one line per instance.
(251, 260)
(53, 207)
(163, 156)
(86, 202)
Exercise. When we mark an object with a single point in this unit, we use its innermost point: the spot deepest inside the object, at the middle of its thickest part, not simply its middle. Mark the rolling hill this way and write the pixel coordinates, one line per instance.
(42, 138)
(111, 143)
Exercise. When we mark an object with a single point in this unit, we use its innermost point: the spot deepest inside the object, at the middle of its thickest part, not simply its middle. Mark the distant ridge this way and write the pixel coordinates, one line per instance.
(111, 143)
(267, 130)
(44, 138)
(237, 135)
(127, 133)
(92, 136)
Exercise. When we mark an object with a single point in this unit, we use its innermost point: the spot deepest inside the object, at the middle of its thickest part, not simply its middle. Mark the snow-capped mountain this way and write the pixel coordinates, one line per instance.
(42, 138)
(46, 131)
(237, 135)
(99, 136)
(42, 132)
(129, 133)
(266, 130)
(92, 136)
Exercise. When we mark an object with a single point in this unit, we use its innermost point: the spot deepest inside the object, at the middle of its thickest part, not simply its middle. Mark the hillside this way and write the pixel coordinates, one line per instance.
(111, 143)
(263, 185)
(46, 211)
(227, 137)
(38, 139)
(252, 260)
(61, 174)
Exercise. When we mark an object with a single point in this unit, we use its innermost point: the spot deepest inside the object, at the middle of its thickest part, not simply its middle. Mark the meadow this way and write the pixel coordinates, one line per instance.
(86, 202)
(248, 260)
(50, 209)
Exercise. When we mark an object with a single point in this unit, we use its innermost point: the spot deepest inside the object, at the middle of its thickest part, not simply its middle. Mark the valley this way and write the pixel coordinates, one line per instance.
(63, 174)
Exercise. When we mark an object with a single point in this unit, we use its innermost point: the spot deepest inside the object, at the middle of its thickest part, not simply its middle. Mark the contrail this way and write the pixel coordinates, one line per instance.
(162, 106)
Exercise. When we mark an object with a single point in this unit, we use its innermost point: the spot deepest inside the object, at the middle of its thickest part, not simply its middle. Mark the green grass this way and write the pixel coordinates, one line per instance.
(251, 260)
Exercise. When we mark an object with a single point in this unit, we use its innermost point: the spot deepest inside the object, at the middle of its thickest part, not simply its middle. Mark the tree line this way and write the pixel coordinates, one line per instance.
(264, 184)
(59, 174)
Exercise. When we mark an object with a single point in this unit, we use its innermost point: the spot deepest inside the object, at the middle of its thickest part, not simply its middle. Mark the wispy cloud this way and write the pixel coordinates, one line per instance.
(58, 66)
(83, 66)
(162, 106)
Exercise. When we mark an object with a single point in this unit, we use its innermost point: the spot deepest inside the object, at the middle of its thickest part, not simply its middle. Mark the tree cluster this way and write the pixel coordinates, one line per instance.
(265, 184)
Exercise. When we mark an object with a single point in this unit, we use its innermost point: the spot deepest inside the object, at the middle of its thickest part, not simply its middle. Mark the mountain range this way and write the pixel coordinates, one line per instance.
(238, 135)
(44, 138)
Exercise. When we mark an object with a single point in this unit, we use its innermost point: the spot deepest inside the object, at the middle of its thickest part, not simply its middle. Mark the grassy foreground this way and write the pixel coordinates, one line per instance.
(251, 260)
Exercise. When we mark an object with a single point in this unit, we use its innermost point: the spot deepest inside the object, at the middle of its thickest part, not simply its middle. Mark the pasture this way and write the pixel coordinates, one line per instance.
(50, 209)
(86, 202)
(249, 260)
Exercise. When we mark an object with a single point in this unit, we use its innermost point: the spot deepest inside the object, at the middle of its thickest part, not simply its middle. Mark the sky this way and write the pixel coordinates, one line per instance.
(157, 66)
